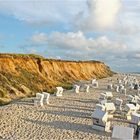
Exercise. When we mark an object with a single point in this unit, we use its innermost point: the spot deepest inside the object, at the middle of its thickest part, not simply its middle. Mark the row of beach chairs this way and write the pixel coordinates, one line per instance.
(106, 109)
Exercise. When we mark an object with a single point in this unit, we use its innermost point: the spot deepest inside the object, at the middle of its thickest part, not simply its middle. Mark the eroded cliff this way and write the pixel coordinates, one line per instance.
(24, 75)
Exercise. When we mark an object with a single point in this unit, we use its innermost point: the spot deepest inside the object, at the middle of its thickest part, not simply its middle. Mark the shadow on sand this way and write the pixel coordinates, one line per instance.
(75, 108)
(68, 126)
(68, 113)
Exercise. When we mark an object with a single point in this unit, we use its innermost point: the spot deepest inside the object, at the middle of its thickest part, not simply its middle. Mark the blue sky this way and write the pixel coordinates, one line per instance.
(105, 30)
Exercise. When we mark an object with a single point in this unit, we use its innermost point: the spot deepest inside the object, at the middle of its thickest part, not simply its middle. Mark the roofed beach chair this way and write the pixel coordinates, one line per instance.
(138, 91)
(131, 86)
(95, 83)
(117, 89)
(46, 97)
(77, 88)
(128, 110)
(135, 121)
(102, 97)
(110, 86)
(109, 95)
(130, 98)
(118, 104)
(59, 91)
(93, 80)
(100, 121)
(39, 99)
(87, 88)
(123, 91)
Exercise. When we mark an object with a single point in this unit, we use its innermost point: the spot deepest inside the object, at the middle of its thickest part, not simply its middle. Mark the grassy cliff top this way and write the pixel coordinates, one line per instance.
(36, 56)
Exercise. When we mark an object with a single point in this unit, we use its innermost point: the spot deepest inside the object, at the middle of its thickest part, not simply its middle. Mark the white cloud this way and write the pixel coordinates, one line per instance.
(128, 30)
(39, 38)
(77, 41)
(137, 55)
(102, 15)
(42, 11)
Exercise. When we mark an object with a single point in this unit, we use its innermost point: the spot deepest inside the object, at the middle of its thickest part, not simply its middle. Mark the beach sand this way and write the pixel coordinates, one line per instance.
(67, 117)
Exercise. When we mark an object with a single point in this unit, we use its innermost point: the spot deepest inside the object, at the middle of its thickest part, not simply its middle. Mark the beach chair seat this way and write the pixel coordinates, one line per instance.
(100, 107)
(46, 97)
(102, 102)
(59, 91)
(122, 133)
(39, 99)
(110, 108)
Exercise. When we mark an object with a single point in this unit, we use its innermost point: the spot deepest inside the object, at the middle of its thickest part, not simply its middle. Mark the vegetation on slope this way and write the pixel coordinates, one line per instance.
(22, 75)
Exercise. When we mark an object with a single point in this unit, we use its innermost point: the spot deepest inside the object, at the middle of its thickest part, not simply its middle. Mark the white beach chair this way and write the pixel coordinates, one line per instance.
(138, 91)
(123, 91)
(131, 86)
(130, 98)
(135, 121)
(39, 99)
(121, 86)
(109, 86)
(122, 133)
(117, 89)
(77, 88)
(129, 109)
(93, 80)
(109, 95)
(59, 91)
(100, 121)
(46, 97)
(119, 81)
(87, 88)
(95, 83)
(118, 104)
(102, 97)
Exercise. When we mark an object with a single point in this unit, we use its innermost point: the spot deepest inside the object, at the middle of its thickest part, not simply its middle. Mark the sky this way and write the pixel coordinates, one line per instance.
(104, 30)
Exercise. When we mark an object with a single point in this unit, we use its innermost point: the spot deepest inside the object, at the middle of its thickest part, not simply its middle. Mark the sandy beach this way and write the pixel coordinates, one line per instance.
(67, 117)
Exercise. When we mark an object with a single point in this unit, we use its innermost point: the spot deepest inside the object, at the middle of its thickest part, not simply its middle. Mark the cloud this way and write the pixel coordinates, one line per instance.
(102, 14)
(41, 12)
(39, 38)
(77, 41)
(128, 30)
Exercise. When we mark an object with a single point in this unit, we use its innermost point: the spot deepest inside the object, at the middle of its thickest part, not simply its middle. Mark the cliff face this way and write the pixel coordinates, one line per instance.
(22, 76)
